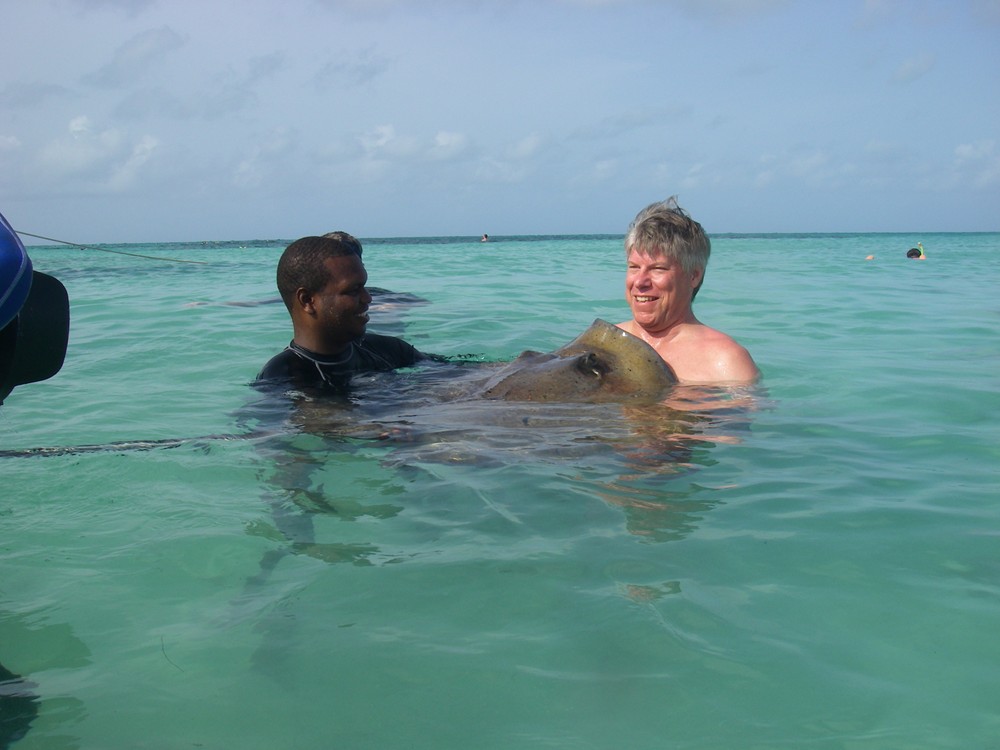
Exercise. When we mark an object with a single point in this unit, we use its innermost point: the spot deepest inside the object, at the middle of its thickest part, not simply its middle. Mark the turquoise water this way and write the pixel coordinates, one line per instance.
(817, 564)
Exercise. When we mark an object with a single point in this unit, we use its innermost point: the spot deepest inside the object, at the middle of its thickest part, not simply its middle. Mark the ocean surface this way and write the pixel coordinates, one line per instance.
(811, 562)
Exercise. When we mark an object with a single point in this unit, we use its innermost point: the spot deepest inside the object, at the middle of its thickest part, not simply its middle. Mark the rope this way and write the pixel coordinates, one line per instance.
(106, 250)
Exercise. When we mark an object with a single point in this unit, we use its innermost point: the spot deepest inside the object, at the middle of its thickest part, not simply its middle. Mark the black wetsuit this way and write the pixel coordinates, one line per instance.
(300, 368)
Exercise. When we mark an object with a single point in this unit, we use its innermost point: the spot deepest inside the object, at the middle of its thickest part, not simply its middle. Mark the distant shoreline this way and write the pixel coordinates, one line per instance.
(501, 239)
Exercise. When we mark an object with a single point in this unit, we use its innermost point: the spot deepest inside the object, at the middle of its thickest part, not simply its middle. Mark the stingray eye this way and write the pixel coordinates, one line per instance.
(591, 364)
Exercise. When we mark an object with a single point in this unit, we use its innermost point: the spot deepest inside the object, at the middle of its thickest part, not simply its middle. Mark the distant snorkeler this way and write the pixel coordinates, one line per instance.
(916, 252)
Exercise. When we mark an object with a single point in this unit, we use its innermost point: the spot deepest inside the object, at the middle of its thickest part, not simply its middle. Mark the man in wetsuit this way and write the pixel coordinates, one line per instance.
(322, 283)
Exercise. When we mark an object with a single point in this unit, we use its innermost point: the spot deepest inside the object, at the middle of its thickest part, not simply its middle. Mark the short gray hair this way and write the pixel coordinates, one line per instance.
(664, 228)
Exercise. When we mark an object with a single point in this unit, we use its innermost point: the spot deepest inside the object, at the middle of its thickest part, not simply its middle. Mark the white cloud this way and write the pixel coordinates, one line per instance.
(384, 144)
(729, 11)
(490, 169)
(247, 174)
(81, 151)
(135, 57)
(973, 152)
(377, 138)
(516, 162)
(477, 97)
(382, 141)
(766, 175)
(27, 95)
(986, 11)
(264, 159)
(978, 163)
(128, 7)
(96, 160)
(526, 147)
(809, 166)
(448, 146)
(600, 172)
(9, 143)
(874, 12)
(695, 177)
(813, 168)
(79, 126)
(913, 68)
(126, 174)
(358, 69)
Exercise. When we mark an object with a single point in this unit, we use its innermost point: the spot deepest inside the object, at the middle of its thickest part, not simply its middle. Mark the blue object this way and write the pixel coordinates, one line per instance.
(34, 317)
(15, 273)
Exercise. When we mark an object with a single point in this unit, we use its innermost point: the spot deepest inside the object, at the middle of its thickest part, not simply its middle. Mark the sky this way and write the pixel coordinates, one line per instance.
(193, 120)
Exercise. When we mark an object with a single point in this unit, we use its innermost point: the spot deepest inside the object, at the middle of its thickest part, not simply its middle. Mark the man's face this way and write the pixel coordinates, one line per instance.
(342, 305)
(658, 290)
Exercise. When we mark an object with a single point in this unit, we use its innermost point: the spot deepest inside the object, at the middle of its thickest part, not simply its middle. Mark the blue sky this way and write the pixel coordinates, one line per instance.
(186, 120)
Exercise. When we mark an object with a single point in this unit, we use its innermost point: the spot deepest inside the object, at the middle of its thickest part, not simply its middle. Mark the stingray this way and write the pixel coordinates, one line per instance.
(603, 364)
(602, 394)
(456, 401)
(592, 394)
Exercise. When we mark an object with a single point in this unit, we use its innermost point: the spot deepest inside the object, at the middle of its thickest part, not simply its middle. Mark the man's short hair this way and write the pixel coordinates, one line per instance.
(664, 228)
(302, 265)
(347, 239)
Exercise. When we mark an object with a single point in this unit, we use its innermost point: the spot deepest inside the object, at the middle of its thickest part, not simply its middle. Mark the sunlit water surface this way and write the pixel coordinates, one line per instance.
(812, 562)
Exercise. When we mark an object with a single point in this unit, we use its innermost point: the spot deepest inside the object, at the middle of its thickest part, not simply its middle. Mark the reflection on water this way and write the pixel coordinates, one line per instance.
(515, 576)
(410, 475)
(18, 707)
(39, 648)
(329, 455)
